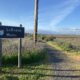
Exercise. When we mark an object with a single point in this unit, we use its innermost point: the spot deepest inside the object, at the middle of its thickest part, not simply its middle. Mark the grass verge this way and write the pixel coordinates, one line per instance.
(28, 57)
(28, 72)
(35, 67)
(70, 54)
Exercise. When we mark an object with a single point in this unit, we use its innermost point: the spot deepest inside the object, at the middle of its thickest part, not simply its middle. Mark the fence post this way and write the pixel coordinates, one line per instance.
(0, 49)
(20, 51)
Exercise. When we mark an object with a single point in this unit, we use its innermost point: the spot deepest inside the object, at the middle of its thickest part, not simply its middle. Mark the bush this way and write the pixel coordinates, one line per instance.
(48, 38)
(27, 58)
(67, 46)
(33, 57)
(10, 60)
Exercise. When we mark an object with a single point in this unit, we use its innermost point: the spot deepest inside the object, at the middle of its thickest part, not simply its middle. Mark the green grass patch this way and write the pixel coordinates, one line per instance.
(28, 72)
(64, 47)
(28, 57)
(35, 67)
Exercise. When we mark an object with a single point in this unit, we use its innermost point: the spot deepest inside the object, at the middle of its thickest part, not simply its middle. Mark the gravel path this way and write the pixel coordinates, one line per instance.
(63, 67)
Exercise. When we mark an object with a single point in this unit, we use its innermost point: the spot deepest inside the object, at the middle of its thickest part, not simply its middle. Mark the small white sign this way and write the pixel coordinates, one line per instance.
(1, 32)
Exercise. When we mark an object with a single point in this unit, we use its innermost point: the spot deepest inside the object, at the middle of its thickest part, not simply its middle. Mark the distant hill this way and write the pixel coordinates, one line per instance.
(54, 32)
(42, 32)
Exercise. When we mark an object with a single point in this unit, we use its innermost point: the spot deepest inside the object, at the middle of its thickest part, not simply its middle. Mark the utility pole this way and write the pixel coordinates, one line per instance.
(35, 20)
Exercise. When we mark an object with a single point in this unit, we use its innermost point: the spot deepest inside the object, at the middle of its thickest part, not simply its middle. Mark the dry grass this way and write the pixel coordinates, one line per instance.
(33, 71)
(75, 56)
(10, 46)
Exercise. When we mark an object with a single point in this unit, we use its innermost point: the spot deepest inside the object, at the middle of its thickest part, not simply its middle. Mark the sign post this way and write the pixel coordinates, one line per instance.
(20, 51)
(12, 32)
(0, 49)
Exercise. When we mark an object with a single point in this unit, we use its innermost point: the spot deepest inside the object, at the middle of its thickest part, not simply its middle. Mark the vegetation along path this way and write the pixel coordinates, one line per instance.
(64, 68)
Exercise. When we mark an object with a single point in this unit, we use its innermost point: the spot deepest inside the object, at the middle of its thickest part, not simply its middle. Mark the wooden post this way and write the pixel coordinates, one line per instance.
(35, 20)
(20, 51)
(0, 49)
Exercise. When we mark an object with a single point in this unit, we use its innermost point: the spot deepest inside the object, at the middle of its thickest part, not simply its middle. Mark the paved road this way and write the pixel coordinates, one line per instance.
(63, 67)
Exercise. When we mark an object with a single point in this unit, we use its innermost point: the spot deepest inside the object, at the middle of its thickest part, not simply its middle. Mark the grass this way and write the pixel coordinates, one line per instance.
(54, 45)
(35, 64)
(65, 46)
(34, 60)
(61, 48)
(35, 67)
(27, 58)
(28, 72)
(75, 42)
(30, 52)
(71, 54)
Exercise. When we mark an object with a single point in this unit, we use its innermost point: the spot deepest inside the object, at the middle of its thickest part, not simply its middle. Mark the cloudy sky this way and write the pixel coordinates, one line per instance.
(62, 16)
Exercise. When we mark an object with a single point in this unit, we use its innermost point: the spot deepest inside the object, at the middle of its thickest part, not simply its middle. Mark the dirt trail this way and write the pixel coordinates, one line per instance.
(63, 67)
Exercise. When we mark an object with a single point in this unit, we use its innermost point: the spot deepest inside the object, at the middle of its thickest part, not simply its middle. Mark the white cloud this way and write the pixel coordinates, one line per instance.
(67, 9)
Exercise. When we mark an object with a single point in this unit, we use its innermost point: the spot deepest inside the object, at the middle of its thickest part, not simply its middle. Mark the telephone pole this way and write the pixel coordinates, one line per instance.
(35, 20)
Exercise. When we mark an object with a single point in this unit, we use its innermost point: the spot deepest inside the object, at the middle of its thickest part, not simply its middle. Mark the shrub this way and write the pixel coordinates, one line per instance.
(48, 38)
(27, 58)
(9, 60)
(67, 46)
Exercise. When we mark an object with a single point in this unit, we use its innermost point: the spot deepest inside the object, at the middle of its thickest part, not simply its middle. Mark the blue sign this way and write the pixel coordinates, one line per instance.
(11, 32)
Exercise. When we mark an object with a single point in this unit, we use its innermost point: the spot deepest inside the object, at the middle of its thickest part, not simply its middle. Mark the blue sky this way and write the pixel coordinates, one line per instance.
(54, 15)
